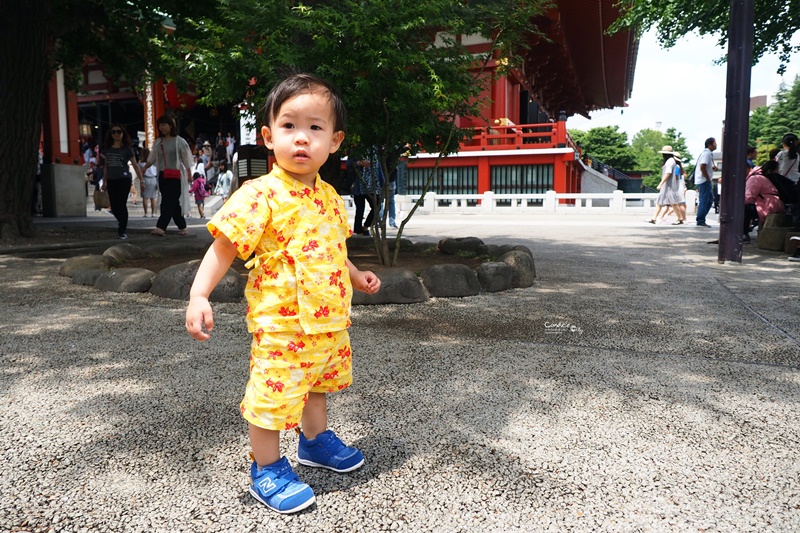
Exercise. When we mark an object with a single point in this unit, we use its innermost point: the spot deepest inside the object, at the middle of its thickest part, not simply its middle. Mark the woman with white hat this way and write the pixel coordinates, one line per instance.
(668, 195)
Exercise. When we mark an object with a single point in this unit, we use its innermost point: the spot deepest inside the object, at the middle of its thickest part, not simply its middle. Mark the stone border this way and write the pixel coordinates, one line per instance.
(510, 267)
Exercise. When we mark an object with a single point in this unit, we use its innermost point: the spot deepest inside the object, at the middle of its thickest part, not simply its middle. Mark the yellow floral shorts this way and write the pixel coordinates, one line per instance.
(286, 366)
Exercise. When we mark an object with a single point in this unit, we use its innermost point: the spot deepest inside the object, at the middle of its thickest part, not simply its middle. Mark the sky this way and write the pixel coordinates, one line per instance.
(682, 88)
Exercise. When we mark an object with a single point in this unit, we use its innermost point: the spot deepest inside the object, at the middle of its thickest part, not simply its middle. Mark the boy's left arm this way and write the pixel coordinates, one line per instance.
(363, 280)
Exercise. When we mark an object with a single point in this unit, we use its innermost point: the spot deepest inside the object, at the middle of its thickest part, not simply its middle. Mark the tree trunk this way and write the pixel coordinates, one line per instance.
(23, 78)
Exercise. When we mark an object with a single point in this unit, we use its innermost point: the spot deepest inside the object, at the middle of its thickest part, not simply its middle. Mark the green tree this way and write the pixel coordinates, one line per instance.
(774, 25)
(645, 146)
(579, 136)
(403, 73)
(784, 114)
(38, 37)
(610, 146)
(678, 142)
(757, 131)
(769, 124)
(763, 151)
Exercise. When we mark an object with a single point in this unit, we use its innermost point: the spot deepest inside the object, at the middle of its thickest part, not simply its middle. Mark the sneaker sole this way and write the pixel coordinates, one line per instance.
(312, 464)
(300, 507)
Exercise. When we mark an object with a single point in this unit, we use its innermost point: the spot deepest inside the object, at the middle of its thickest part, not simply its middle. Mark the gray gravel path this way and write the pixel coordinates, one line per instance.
(637, 386)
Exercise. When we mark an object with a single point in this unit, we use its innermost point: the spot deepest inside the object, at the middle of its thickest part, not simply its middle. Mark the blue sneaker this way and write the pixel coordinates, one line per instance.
(279, 488)
(328, 451)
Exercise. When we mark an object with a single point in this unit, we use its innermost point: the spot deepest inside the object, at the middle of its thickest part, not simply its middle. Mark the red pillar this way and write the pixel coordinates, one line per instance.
(560, 176)
(60, 123)
(159, 100)
(484, 175)
(499, 96)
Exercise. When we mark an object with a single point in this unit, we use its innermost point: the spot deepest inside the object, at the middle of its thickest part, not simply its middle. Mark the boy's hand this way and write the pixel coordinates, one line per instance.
(198, 315)
(366, 281)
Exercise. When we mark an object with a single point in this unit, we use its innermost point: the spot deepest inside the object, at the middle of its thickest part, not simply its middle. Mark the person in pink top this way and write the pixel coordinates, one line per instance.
(198, 189)
(760, 192)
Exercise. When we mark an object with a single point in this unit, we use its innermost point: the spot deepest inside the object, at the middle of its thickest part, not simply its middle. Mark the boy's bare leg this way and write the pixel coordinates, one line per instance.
(315, 415)
(265, 444)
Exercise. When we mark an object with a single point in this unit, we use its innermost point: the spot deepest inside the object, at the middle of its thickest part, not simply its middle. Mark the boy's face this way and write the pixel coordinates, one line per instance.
(303, 135)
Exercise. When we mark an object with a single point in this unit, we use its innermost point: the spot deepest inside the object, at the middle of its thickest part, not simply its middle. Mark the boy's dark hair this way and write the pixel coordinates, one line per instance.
(301, 83)
(710, 141)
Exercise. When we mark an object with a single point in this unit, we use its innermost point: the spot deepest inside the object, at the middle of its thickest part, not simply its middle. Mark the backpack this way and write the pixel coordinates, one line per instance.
(787, 189)
(690, 177)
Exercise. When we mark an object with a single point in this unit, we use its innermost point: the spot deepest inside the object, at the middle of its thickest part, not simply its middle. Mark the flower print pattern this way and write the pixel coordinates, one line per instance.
(281, 378)
(296, 237)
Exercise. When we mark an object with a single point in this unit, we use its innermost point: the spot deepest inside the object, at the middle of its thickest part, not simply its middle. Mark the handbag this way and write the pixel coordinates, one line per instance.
(170, 173)
(101, 199)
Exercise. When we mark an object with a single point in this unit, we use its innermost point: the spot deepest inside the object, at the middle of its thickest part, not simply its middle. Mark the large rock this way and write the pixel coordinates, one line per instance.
(125, 280)
(496, 250)
(523, 267)
(398, 286)
(463, 245)
(405, 244)
(87, 276)
(523, 248)
(447, 281)
(495, 276)
(120, 253)
(425, 246)
(773, 238)
(176, 248)
(176, 281)
(362, 242)
(778, 220)
(72, 264)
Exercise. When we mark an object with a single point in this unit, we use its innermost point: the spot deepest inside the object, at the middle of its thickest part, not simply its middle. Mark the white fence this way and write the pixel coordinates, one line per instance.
(615, 202)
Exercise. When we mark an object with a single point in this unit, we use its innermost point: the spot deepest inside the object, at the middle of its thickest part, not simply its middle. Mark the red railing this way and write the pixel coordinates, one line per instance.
(519, 136)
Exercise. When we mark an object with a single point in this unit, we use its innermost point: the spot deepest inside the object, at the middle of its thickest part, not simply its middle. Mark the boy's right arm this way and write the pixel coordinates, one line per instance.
(215, 264)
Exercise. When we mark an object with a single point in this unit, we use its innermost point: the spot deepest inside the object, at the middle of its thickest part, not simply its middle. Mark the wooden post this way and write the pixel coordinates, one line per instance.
(737, 111)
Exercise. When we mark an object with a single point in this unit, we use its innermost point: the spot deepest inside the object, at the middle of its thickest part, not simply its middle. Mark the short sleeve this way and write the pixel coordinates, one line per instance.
(670, 167)
(243, 219)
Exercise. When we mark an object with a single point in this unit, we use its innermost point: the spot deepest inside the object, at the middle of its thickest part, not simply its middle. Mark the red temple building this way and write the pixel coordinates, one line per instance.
(521, 143)
(520, 146)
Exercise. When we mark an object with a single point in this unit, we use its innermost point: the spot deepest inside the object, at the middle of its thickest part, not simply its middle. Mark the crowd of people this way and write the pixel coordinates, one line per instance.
(770, 188)
(173, 170)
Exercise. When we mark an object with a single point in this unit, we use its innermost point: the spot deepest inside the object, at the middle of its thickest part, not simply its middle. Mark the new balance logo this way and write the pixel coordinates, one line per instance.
(266, 485)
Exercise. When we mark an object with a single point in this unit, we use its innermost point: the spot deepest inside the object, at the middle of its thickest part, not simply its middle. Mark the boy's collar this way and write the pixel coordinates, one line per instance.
(285, 176)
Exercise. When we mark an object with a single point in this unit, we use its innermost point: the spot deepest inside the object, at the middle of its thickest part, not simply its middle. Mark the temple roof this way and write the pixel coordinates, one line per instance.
(579, 67)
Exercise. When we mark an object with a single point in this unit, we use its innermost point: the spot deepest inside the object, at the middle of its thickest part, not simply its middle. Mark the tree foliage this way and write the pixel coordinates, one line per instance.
(774, 26)
(38, 37)
(608, 145)
(403, 74)
(645, 146)
(769, 124)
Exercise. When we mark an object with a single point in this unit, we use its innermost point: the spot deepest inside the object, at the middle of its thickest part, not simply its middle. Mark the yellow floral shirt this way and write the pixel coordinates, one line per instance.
(296, 235)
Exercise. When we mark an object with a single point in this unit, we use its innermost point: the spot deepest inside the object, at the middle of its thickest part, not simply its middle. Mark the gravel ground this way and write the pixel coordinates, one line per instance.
(638, 386)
